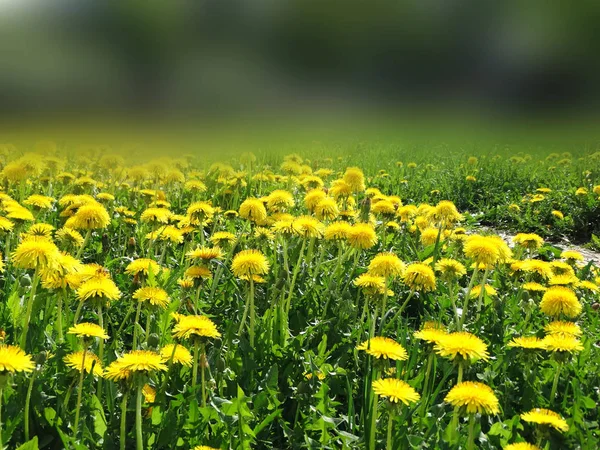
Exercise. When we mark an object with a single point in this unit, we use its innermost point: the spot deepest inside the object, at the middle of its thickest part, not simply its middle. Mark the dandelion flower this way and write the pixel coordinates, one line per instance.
(88, 330)
(521, 446)
(362, 235)
(13, 359)
(153, 295)
(386, 265)
(395, 390)
(463, 345)
(564, 343)
(308, 227)
(142, 265)
(547, 417)
(181, 356)
(527, 342)
(530, 241)
(35, 252)
(474, 397)
(253, 209)
(450, 268)
(559, 300)
(201, 326)
(92, 362)
(420, 277)
(96, 288)
(91, 216)
(382, 347)
(249, 262)
(137, 361)
(563, 327)
(205, 253)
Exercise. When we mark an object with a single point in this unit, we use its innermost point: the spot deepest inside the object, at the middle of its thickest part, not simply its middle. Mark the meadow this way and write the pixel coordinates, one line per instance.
(327, 297)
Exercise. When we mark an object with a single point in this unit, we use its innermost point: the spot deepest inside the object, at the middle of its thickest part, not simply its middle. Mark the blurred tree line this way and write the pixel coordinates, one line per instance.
(224, 54)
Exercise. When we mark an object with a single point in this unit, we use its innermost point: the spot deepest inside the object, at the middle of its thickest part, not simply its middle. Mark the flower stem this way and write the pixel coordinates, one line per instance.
(135, 325)
(27, 319)
(85, 241)
(467, 295)
(390, 427)
(27, 403)
(555, 383)
(196, 357)
(425, 399)
(59, 317)
(139, 439)
(482, 291)
(202, 375)
(79, 391)
(471, 438)
(123, 436)
(252, 312)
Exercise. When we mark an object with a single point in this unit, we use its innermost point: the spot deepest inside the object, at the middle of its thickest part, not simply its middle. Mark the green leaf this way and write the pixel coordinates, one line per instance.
(30, 445)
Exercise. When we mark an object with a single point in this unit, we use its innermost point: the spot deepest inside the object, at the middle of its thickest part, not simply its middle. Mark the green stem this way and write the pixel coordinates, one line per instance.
(389, 429)
(79, 392)
(123, 436)
(424, 398)
(373, 427)
(482, 291)
(471, 438)
(27, 403)
(78, 313)
(555, 383)
(34, 284)
(252, 313)
(148, 319)
(467, 295)
(100, 349)
(399, 312)
(59, 317)
(139, 439)
(85, 241)
(135, 325)
(195, 367)
(294, 276)
(202, 375)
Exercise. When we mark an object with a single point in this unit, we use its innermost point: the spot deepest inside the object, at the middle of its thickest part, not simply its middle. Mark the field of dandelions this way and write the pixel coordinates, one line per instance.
(298, 300)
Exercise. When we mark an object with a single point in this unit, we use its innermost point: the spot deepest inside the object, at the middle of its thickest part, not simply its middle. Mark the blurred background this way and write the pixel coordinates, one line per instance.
(212, 59)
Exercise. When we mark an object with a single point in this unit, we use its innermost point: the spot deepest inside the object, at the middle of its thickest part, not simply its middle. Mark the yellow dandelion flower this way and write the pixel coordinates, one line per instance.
(450, 268)
(249, 262)
(35, 252)
(529, 241)
(386, 264)
(420, 277)
(90, 216)
(88, 330)
(571, 256)
(205, 253)
(362, 236)
(462, 345)
(546, 417)
(181, 355)
(137, 361)
(382, 347)
(521, 446)
(153, 295)
(562, 343)
(91, 363)
(474, 398)
(527, 342)
(559, 300)
(13, 359)
(188, 326)
(395, 390)
(253, 209)
(143, 266)
(98, 288)
(563, 327)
